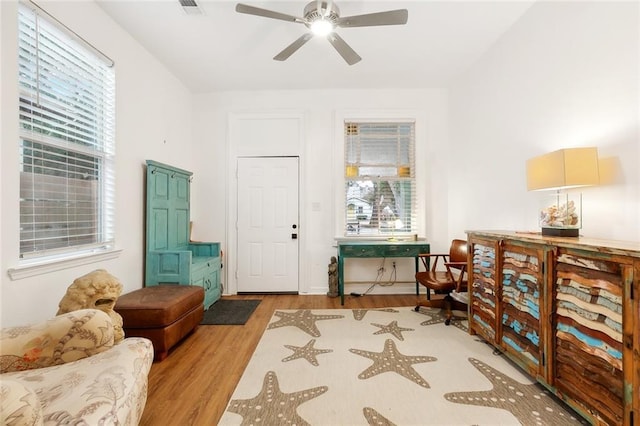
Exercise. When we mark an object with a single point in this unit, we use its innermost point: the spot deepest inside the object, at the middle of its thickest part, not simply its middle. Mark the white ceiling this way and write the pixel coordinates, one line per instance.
(225, 50)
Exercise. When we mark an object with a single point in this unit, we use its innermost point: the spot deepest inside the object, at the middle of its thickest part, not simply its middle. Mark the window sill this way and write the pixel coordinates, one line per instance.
(34, 269)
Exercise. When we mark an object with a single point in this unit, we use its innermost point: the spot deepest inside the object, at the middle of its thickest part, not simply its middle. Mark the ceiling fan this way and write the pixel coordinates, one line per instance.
(322, 18)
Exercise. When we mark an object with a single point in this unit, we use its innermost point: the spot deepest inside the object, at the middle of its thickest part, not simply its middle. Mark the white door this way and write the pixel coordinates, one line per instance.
(267, 224)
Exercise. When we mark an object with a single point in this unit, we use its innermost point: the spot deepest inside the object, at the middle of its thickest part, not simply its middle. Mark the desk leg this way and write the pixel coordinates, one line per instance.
(341, 279)
(417, 284)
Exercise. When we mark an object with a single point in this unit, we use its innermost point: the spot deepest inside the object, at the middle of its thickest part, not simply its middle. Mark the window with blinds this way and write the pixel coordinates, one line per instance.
(66, 142)
(380, 186)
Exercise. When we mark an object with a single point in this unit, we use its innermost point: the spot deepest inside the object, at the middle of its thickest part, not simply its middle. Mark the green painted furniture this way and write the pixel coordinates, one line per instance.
(171, 258)
(380, 249)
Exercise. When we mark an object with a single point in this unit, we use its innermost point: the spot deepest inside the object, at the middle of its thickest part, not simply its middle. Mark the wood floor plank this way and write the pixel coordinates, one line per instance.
(193, 385)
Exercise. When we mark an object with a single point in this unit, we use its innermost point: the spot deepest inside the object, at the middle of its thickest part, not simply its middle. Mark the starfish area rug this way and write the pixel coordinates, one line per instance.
(391, 366)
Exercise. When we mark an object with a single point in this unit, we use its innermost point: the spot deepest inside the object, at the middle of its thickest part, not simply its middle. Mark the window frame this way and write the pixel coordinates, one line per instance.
(380, 168)
(418, 117)
(41, 261)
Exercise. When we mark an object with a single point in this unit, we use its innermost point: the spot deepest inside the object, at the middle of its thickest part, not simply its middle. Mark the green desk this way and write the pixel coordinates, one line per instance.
(364, 249)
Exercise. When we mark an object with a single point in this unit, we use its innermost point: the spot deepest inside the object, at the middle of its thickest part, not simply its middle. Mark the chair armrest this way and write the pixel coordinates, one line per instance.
(65, 338)
(426, 259)
(459, 279)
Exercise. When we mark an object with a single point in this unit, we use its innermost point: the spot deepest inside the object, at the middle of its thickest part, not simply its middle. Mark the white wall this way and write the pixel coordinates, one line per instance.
(321, 161)
(153, 121)
(565, 75)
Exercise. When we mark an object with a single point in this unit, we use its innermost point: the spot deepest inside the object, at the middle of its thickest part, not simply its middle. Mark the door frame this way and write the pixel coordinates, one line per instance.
(235, 150)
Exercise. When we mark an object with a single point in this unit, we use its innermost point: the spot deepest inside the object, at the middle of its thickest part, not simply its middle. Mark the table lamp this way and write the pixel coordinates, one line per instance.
(560, 171)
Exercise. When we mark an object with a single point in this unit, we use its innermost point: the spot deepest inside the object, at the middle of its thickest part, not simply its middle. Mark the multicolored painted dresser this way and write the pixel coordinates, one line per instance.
(567, 311)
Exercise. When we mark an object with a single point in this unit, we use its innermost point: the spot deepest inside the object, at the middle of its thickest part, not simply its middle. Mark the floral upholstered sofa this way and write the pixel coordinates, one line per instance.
(67, 370)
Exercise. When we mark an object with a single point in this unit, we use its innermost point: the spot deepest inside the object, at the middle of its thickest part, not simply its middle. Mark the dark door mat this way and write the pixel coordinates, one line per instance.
(230, 312)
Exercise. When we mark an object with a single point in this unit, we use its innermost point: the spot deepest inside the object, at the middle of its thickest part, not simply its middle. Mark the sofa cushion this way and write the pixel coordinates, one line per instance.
(158, 306)
(67, 337)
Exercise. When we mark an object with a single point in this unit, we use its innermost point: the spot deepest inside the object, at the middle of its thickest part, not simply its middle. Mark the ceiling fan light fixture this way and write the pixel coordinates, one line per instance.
(322, 17)
(321, 27)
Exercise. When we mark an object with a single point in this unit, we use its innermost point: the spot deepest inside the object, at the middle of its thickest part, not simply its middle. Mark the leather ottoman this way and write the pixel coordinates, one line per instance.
(164, 314)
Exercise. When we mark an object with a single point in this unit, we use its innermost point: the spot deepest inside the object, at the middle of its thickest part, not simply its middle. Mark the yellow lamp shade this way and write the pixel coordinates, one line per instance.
(565, 168)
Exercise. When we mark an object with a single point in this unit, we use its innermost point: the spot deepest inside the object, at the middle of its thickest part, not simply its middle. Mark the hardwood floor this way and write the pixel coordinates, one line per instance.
(193, 385)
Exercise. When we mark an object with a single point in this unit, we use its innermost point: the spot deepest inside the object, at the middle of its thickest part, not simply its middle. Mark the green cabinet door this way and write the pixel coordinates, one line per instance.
(168, 197)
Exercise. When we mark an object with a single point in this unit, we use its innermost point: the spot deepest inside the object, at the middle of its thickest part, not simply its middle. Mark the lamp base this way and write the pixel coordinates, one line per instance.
(561, 232)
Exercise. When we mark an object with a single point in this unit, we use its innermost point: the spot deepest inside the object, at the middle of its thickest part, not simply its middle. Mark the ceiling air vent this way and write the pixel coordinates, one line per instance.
(190, 7)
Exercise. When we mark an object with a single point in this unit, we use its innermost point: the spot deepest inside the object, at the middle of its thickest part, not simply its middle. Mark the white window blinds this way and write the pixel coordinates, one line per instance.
(67, 111)
(380, 187)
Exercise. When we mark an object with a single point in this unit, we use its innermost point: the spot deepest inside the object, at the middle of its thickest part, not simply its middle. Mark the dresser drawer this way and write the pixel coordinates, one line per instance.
(360, 251)
(380, 250)
(200, 264)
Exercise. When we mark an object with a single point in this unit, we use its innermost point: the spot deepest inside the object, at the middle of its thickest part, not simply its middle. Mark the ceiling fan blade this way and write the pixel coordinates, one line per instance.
(252, 10)
(347, 53)
(293, 47)
(391, 17)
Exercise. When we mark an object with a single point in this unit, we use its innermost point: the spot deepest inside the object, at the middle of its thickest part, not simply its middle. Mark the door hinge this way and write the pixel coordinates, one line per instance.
(631, 291)
(544, 359)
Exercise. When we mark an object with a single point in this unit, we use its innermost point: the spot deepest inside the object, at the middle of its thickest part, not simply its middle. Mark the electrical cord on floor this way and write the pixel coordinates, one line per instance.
(378, 280)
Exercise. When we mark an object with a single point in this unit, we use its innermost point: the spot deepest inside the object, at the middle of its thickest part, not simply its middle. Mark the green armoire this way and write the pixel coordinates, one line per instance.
(171, 258)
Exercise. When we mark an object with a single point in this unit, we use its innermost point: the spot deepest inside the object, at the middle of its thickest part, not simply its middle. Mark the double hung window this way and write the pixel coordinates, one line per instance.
(66, 140)
(380, 186)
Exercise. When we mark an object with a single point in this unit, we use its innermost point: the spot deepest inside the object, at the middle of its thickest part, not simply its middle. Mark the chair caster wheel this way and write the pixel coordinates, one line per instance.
(417, 308)
(447, 322)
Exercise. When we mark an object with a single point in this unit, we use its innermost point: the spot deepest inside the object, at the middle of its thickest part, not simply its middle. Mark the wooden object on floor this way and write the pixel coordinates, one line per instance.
(165, 314)
(444, 281)
(566, 310)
